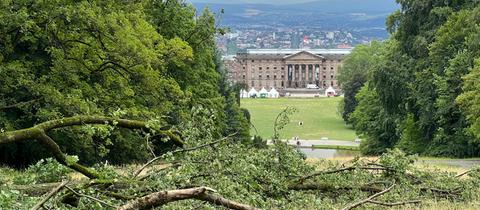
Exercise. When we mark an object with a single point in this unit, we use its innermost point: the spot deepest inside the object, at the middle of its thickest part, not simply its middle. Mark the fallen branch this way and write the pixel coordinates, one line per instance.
(62, 158)
(33, 132)
(89, 197)
(467, 172)
(49, 195)
(395, 204)
(40, 189)
(359, 203)
(201, 193)
(180, 151)
(39, 132)
(341, 170)
(441, 192)
(324, 187)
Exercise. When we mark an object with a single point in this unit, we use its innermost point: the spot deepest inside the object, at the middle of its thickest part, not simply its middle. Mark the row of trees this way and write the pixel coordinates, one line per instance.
(418, 91)
(145, 60)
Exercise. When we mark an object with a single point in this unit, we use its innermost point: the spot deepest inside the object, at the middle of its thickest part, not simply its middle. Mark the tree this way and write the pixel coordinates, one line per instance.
(354, 72)
(119, 59)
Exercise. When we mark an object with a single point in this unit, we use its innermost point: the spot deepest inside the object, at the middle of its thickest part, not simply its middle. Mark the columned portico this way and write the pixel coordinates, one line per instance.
(285, 69)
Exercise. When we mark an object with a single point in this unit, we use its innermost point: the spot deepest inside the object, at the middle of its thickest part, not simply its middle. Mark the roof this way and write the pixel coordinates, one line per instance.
(282, 53)
(295, 51)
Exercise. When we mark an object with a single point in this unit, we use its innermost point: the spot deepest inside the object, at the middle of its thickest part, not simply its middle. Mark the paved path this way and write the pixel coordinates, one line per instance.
(309, 143)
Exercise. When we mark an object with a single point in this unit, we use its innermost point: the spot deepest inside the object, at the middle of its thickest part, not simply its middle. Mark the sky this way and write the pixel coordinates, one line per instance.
(251, 1)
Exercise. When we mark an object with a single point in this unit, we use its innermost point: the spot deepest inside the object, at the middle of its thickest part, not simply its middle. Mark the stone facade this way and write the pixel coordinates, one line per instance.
(286, 69)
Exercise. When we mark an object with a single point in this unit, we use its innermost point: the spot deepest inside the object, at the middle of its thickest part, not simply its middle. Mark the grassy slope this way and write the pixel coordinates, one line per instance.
(320, 117)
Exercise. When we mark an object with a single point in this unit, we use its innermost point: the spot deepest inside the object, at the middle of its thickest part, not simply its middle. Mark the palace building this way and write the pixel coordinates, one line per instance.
(286, 68)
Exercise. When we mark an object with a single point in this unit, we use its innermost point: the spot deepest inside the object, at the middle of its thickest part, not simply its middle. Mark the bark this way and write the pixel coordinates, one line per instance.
(201, 193)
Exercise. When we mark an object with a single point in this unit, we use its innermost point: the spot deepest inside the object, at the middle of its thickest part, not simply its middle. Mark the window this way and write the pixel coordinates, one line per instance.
(260, 76)
(253, 61)
(283, 68)
(275, 68)
(324, 77)
(268, 76)
(259, 68)
(283, 76)
(324, 68)
(331, 83)
(268, 68)
(244, 67)
(244, 77)
(253, 83)
(331, 68)
(331, 76)
(274, 76)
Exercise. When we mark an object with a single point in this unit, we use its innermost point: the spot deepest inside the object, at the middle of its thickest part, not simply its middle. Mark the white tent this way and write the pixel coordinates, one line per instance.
(273, 93)
(252, 93)
(263, 93)
(330, 91)
(243, 94)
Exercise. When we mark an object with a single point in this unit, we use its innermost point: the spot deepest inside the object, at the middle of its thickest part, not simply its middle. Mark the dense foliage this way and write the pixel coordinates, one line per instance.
(147, 60)
(413, 97)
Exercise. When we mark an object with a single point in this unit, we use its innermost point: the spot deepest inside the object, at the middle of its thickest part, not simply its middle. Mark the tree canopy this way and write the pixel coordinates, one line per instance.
(144, 60)
(417, 79)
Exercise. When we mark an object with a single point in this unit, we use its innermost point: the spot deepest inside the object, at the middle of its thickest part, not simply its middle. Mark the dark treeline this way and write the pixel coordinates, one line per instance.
(147, 60)
(419, 91)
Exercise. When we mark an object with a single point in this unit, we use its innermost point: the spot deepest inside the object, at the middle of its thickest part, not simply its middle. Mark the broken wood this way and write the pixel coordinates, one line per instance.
(49, 195)
(200, 193)
(359, 203)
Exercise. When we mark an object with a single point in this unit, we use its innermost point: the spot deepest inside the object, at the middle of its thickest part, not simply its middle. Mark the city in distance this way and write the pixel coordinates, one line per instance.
(300, 24)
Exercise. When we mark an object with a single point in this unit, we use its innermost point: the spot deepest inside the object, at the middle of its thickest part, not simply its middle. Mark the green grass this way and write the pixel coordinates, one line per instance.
(319, 115)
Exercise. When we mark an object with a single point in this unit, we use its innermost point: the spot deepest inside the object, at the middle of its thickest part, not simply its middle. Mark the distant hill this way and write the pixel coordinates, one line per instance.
(348, 6)
(318, 5)
(328, 14)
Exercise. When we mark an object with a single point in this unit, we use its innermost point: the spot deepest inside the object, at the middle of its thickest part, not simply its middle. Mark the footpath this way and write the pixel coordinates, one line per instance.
(310, 143)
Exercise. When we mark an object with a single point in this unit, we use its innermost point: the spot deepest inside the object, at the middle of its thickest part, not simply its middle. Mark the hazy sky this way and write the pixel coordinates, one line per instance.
(252, 1)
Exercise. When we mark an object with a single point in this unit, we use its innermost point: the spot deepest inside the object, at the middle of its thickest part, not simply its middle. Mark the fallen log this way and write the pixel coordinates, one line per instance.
(200, 193)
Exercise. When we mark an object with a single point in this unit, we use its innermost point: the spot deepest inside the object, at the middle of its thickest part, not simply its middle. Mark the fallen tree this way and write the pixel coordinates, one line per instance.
(244, 177)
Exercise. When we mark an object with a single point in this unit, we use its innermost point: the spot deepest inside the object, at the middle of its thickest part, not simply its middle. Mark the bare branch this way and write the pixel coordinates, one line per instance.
(49, 195)
(341, 170)
(19, 104)
(181, 151)
(201, 193)
(359, 203)
(395, 204)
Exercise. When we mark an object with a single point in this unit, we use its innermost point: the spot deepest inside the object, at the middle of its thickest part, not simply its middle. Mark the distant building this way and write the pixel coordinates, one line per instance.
(286, 68)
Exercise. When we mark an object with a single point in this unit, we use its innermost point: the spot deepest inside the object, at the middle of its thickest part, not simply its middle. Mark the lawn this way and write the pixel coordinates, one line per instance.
(319, 116)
